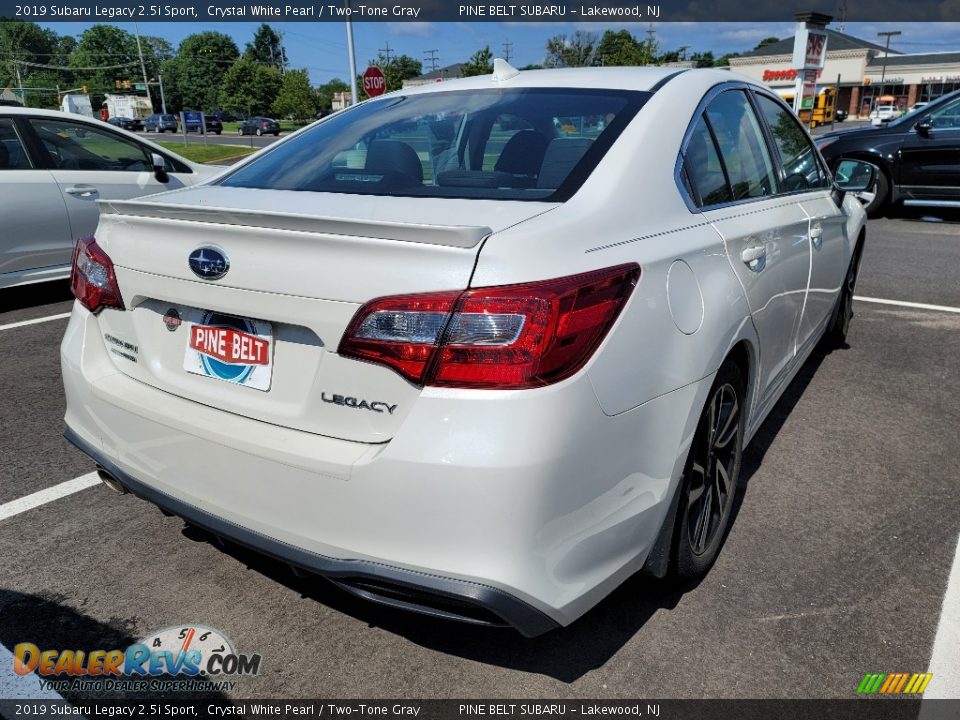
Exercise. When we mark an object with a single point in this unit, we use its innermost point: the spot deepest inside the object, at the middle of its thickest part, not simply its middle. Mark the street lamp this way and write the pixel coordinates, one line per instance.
(883, 73)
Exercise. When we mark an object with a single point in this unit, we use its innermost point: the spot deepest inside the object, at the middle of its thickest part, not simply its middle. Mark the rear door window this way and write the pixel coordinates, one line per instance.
(743, 147)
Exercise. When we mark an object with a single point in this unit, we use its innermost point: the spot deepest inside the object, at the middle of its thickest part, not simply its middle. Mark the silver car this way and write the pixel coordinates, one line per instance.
(54, 167)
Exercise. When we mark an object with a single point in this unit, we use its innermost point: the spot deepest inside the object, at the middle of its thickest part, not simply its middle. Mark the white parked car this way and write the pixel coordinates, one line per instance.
(484, 367)
(54, 166)
(884, 113)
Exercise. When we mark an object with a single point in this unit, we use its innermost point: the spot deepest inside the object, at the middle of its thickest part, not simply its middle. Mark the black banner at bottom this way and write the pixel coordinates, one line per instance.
(167, 707)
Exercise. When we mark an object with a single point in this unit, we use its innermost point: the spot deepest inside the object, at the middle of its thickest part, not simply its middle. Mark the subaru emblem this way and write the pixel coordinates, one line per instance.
(209, 262)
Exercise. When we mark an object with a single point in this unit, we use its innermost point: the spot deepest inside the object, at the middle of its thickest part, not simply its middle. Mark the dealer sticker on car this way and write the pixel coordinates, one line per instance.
(229, 348)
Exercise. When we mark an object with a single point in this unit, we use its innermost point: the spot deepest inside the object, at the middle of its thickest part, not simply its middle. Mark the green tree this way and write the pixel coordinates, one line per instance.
(25, 42)
(267, 48)
(103, 46)
(619, 48)
(767, 41)
(575, 51)
(480, 63)
(191, 79)
(703, 59)
(325, 93)
(250, 88)
(296, 98)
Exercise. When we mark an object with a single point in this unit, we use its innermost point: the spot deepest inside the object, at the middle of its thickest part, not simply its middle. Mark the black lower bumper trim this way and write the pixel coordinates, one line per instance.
(407, 589)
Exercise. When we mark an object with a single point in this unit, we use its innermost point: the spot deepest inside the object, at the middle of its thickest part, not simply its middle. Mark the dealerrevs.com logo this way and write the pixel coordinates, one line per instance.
(182, 657)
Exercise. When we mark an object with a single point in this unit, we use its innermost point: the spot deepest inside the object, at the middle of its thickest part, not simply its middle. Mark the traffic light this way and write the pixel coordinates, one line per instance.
(84, 88)
(126, 85)
(116, 84)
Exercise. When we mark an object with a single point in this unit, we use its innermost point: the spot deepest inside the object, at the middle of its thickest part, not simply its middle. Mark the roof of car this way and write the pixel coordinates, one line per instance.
(620, 78)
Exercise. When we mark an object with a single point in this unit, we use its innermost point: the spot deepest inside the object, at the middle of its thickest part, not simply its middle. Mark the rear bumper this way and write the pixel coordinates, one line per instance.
(523, 508)
(448, 598)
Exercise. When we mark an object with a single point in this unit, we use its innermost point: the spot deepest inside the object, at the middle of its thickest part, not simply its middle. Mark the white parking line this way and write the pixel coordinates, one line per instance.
(904, 303)
(17, 687)
(42, 497)
(945, 658)
(35, 321)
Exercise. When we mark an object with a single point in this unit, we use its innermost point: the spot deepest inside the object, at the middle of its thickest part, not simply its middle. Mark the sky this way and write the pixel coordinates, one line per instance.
(321, 48)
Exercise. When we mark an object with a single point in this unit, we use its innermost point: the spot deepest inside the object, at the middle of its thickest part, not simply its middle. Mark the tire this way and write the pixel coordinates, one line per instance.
(881, 190)
(836, 335)
(259, 132)
(218, 133)
(710, 478)
(277, 134)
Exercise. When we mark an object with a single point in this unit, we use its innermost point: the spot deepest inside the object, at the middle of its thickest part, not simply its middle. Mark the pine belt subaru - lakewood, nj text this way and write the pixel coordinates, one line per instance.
(481, 349)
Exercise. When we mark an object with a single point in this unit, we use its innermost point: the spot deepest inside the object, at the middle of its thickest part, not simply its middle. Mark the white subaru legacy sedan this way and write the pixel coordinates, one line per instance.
(481, 349)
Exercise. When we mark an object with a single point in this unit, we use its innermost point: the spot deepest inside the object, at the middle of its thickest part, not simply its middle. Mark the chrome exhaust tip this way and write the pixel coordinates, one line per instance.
(111, 482)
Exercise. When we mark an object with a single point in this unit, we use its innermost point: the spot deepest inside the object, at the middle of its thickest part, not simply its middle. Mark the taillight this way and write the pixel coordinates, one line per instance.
(514, 336)
(92, 279)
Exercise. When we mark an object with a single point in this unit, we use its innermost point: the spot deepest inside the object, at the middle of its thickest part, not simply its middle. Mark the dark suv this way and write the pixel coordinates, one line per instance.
(918, 155)
(159, 123)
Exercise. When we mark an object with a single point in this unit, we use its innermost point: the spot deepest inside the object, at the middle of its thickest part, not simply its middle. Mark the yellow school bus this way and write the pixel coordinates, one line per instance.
(823, 106)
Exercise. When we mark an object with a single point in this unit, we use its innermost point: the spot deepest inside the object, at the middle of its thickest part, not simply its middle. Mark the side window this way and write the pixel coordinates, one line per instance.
(742, 146)
(13, 156)
(78, 146)
(703, 169)
(801, 169)
(947, 117)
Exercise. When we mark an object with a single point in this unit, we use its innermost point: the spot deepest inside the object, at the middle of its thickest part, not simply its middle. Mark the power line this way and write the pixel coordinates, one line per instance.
(430, 56)
(67, 67)
(386, 52)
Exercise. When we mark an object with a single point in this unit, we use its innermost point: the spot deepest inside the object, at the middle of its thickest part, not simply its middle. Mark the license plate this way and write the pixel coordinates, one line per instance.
(231, 349)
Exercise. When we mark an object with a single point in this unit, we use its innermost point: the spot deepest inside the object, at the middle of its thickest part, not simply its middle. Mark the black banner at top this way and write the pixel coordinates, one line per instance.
(598, 11)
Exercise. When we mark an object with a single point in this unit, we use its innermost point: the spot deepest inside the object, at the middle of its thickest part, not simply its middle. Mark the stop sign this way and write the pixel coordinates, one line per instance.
(374, 82)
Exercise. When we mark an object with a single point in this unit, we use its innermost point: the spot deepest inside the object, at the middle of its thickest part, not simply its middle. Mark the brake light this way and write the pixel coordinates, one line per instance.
(92, 278)
(514, 336)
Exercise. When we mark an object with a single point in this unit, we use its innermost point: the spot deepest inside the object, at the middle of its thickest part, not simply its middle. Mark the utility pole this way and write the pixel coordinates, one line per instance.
(883, 73)
(351, 57)
(507, 45)
(386, 52)
(163, 99)
(430, 56)
(843, 16)
(682, 52)
(23, 93)
(143, 66)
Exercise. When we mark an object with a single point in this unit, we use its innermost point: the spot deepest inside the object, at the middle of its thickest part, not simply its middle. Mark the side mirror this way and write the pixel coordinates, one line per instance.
(855, 175)
(159, 167)
(924, 127)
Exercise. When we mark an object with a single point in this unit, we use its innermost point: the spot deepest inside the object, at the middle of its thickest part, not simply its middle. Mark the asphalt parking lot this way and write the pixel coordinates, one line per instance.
(837, 563)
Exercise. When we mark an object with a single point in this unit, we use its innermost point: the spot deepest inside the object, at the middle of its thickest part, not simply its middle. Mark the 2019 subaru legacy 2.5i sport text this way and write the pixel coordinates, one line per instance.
(481, 349)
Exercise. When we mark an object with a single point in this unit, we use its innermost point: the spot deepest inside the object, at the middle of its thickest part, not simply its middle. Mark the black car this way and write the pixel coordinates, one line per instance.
(131, 124)
(918, 156)
(259, 126)
(211, 122)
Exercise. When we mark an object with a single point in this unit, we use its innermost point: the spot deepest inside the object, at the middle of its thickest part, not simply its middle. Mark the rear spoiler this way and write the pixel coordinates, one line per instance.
(461, 236)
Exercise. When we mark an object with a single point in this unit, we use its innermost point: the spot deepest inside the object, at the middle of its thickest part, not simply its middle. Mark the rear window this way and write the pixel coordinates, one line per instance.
(518, 144)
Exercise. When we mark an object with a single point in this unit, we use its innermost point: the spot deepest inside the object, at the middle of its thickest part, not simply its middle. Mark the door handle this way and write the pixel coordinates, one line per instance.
(816, 236)
(82, 191)
(755, 257)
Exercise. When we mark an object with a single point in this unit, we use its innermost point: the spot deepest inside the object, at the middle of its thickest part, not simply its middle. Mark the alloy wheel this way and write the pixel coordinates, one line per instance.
(713, 470)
